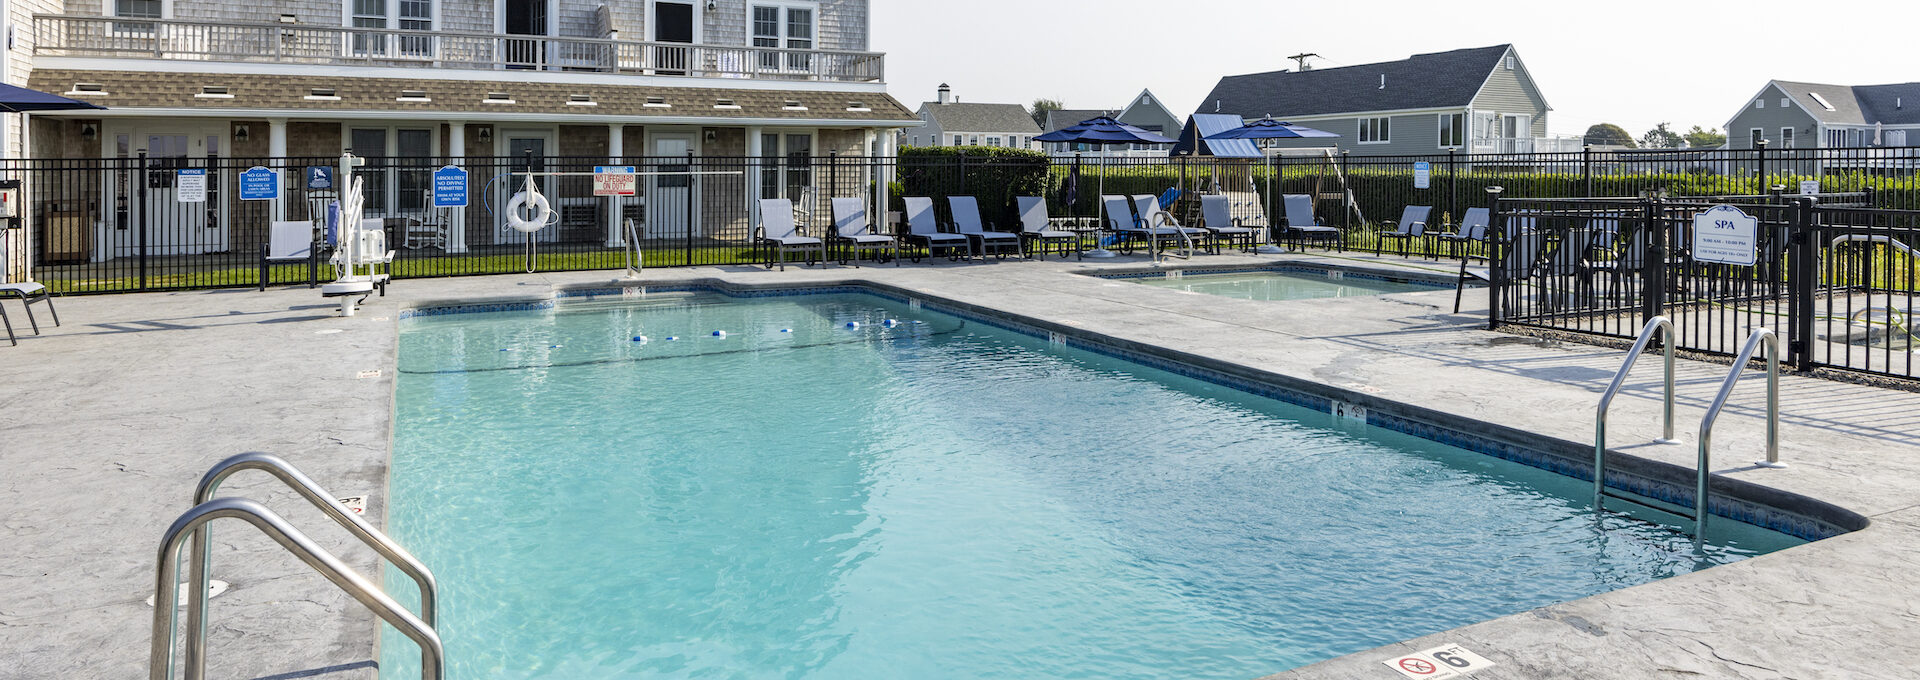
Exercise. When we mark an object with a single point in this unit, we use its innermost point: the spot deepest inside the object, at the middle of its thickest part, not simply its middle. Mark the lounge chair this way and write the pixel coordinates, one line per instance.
(28, 293)
(1472, 228)
(288, 241)
(923, 228)
(1518, 264)
(778, 233)
(1128, 229)
(1301, 223)
(966, 220)
(853, 231)
(1216, 214)
(1036, 229)
(1148, 209)
(1413, 225)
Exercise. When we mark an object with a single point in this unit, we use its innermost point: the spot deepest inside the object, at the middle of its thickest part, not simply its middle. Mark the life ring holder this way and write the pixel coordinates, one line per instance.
(542, 214)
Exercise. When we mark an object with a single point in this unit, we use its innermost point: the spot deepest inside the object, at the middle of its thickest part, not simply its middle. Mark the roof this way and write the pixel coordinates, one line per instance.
(1060, 118)
(1895, 104)
(981, 117)
(136, 90)
(1202, 124)
(1434, 80)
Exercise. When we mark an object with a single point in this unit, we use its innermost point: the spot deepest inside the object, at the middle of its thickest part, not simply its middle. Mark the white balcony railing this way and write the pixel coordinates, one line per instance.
(93, 36)
(1526, 144)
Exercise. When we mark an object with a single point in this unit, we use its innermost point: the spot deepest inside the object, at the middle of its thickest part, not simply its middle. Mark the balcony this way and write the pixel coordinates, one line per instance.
(306, 44)
(1519, 145)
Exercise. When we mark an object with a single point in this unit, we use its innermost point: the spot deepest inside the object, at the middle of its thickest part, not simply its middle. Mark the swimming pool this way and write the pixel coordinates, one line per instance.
(937, 498)
(1288, 284)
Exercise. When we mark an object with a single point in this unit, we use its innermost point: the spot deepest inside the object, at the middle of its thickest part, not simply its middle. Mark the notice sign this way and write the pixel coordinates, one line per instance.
(190, 185)
(1422, 175)
(613, 180)
(1449, 661)
(449, 187)
(1809, 187)
(259, 184)
(319, 177)
(1725, 235)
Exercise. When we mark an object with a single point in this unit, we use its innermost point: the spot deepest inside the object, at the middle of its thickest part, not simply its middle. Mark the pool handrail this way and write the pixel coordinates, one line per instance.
(1755, 339)
(1656, 325)
(166, 576)
(200, 557)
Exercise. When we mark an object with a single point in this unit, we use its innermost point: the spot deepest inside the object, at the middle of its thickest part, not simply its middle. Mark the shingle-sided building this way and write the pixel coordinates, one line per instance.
(946, 122)
(1480, 100)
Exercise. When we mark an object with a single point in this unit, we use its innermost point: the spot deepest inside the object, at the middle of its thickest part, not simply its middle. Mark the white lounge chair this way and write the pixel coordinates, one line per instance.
(288, 241)
(778, 233)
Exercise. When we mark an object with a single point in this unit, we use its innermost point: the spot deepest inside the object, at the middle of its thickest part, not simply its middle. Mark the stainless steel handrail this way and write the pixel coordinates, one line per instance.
(1655, 325)
(1755, 339)
(1875, 238)
(166, 576)
(1153, 239)
(636, 260)
(199, 559)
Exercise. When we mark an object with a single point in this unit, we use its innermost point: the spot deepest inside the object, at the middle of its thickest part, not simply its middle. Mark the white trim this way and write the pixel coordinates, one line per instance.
(1466, 130)
(1753, 143)
(1357, 114)
(1785, 133)
(1360, 127)
(305, 115)
(406, 75)
(783, 5)
(699, 19)
(1145, 92)
(1532, 85)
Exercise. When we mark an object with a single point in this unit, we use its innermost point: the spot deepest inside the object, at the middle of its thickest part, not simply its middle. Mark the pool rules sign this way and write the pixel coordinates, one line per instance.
(1449, 661)
(1725, 235)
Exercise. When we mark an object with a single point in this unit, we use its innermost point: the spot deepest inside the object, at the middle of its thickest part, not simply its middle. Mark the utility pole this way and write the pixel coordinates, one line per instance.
(1302, 58)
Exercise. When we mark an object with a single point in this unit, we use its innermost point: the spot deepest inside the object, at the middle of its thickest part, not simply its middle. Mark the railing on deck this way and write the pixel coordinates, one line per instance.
(180, 39)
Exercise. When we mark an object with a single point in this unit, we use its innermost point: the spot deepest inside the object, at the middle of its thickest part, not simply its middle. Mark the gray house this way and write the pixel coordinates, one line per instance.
(947, 122)
(1479, 100)
(1790, 115)
(1144, 111)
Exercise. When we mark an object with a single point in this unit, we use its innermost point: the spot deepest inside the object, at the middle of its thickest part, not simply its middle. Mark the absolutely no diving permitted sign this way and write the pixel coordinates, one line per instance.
(1447, 661)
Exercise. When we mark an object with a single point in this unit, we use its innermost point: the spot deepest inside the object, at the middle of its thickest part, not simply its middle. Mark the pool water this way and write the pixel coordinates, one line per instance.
(1282, 285)
(937, 498)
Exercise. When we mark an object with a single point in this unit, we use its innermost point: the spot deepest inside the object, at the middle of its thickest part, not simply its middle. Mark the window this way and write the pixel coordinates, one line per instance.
(1375, 131)
(993, 141)
(973, 140)
(399, 168)
(783, 26)
(1784, 103)
(406, 15)
(956, 140)
(1453, 130)
(1510, 62)
(786, 164)
(1896, 138)
(1786, 138)
(1485, 125)
(1755, 137)
(1836, 138)
(137, 9)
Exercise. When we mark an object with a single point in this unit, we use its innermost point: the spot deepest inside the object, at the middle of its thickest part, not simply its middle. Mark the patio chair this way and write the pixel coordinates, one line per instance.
(288, 241)
(1518, 264)
(1036, 231)
(853, 230)
(430, 232)
(1301, 224)
(966, 220)
(923, 228)
(28, 293)
(778, 233)
(1216, 215)
(1128, 229)
(1472, 228)
(1147, 208)
(1413, 225)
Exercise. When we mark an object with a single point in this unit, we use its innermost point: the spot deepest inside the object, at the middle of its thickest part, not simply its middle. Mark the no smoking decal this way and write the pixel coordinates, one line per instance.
(1447, 661)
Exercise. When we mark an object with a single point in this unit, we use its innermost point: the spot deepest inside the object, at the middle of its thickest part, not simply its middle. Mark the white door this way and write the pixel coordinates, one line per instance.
(516, 147)
(672, 211)
(169, 225)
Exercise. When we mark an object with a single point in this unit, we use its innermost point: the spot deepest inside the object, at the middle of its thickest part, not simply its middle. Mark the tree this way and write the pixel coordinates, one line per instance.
(1040, 108)
(1704, 139)
(1661, 137)
(1608, 134)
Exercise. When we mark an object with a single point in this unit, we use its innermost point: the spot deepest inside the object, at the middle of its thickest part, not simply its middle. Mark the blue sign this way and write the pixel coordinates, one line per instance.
(259, 184)
(1422, 175)
(319, 177)
(613, 169)
(449, 187)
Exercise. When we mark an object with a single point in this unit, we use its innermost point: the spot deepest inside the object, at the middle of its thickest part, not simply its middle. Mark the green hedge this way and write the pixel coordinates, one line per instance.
(994, 176)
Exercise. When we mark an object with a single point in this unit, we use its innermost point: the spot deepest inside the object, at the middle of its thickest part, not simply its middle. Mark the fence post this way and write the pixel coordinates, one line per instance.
(1653, 266)
(1802, 279)
(690, 192)
(1496, 244)
(963, 174)
(833, 188)
(1453, 189)
(1586, 170)
(1346, 200)
(1760, 164)
(145, 216)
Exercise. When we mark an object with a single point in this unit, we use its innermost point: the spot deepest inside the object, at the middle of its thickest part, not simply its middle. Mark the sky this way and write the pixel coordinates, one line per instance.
(1631, 63)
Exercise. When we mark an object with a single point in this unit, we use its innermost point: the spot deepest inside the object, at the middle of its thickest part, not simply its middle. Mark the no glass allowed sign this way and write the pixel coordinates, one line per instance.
(1448, 661)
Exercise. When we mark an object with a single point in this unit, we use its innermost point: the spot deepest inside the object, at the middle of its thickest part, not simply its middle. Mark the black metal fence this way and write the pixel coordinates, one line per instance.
(1833, 276)
(119, 224)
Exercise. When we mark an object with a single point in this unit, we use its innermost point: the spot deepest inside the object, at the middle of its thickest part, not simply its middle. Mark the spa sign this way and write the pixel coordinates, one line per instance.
(1725, 235)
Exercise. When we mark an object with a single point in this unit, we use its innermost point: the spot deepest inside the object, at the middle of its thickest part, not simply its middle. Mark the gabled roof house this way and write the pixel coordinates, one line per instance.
(1144, 111)
(1479, 100)
(1794, 115)
(948, 122)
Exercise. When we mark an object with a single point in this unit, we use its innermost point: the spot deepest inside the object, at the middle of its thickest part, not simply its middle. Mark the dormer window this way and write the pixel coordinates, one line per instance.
(322, 94)
(581, 100)
(415, 96)
(657, 103)
(498, 98)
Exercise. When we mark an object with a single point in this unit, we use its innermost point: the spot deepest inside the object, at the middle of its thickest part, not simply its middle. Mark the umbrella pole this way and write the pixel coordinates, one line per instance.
(1268, 248)
(1100, 208)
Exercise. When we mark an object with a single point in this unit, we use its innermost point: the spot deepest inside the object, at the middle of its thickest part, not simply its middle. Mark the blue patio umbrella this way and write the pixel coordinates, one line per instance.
(22, 100)
(1268, 128)
(1102, 131)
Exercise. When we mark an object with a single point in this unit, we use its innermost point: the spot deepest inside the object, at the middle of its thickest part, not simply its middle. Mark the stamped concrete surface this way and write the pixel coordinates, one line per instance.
(138, 394)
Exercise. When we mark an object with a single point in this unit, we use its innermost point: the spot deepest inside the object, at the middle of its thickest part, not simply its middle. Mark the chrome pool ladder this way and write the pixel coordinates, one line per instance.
(1657, 325)
(206, 508)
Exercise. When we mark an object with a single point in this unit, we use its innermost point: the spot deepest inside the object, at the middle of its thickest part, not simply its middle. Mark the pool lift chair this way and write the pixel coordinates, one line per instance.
(362, 247)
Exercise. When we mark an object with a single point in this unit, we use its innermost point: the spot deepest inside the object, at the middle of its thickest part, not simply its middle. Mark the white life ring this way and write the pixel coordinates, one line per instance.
(528, 199)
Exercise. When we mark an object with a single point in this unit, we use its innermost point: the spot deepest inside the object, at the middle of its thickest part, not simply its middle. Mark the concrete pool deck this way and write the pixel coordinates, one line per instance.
(118, 413)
